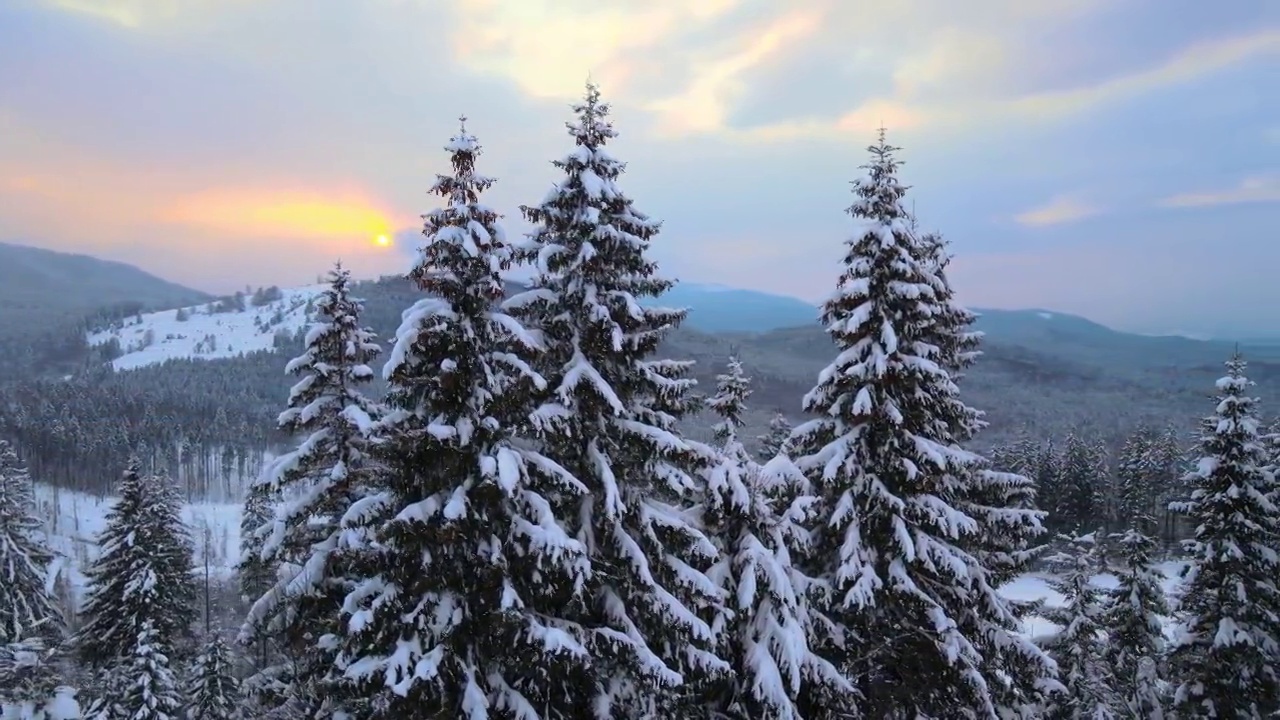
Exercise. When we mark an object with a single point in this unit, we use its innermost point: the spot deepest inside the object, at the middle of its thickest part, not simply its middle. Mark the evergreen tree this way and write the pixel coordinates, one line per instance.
(1079, 497)
(1135, 481)
(1225, 663)
(610, 418)
(465, 612)
(1135, 648)
(1048, 483)
(323, 478)
(29, 677)
(212, 691)
(26, 608)
(775, 442)
(142, 577)
(256, 576)
(150, 691)
(902, 518)
(1078, 647)
(768, 624)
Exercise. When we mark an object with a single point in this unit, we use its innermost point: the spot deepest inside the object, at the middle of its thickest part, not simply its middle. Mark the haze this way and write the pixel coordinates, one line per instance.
(1117, 159)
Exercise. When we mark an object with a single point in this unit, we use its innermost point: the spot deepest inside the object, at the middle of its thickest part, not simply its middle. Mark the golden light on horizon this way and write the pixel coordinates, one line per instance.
(294, 215)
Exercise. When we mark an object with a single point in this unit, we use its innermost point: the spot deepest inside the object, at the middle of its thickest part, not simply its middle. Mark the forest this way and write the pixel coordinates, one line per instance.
(519, 507)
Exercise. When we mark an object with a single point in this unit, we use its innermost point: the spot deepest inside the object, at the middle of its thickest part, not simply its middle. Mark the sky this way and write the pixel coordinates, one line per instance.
(1117, 159)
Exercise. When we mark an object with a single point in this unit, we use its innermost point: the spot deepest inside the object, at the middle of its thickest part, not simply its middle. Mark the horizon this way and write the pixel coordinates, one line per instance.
(1113, 161)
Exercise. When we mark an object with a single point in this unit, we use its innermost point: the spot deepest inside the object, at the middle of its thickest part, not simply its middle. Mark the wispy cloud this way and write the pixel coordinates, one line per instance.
(1059, 210)
(1258, 189)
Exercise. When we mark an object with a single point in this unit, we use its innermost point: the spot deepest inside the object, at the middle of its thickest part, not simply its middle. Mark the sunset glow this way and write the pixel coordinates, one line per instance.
(382, 241)
(293, 215)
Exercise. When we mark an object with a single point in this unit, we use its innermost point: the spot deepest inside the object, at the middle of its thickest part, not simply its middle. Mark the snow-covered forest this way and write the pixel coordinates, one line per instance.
(498, 512)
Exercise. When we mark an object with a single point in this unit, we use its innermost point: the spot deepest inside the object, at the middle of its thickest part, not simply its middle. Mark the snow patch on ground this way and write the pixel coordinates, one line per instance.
(1035, 587)
(73, 521)
(161, 336)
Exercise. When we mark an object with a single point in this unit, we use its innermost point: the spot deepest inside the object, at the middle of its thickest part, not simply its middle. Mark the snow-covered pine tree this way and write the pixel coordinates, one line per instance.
(1048, 482)
(212, 691)
(318, 483)
(463, 612)
(768, 623)
(142, 575)
(1224, 665)
(610, 419)
(29, 681)
(26, 608)
(1080, 499)
(922, 612)
(255, 574)
(1078, 647)
(1135, 482)
(775, 441)
(1135, 645)
(149, 690)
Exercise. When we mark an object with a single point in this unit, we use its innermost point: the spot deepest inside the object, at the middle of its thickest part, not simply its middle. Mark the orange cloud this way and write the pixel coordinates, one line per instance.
(289, 215)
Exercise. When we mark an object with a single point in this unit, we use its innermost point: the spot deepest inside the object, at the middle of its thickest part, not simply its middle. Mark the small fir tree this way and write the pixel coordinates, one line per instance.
(142, 577)
(322, 479)
(466, 609)
(610, 417)
(1079, 493)
(1224, 664)
(149, 688)
(775, 442)
(1078, 647)
(1135, 647)
(766, 629)
(212, 691)
(26, 609)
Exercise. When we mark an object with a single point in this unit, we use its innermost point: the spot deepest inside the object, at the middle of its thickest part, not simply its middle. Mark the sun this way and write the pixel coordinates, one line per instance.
(382, 241)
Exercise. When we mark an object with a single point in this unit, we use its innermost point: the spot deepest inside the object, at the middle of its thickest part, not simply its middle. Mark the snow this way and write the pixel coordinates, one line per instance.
(73, 521)
(1034, 587)
(1045, 315)
(236, 333)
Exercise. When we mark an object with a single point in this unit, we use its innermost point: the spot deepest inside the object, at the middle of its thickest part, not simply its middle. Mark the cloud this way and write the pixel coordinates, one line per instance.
(1059, 210)
(1258, 189)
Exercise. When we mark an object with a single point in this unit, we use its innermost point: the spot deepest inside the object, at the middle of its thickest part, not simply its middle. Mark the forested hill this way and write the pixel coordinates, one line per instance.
(48, 298)
(1048, 371)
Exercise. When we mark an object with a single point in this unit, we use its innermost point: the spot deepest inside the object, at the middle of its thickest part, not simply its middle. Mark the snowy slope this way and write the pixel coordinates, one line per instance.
(161, 336)
(1035, 587)
(73, 521)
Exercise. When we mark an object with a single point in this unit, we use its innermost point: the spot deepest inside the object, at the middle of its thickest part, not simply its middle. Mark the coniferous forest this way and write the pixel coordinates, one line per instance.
(496, 510)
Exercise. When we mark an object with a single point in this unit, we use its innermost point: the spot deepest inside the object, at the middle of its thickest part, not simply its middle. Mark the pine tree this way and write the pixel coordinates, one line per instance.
(768, 624)
(256, 575)
(1078, 647)
(142, 575)
(212, 690)
(150, 691)
(29, 679)
(1135, 481)
(323, 478)
(1079, 501)
(465, 611)
(1135, 647)
(26, 609)
(610, 419)
(1224, 664)
(902, 514)
(775, 442)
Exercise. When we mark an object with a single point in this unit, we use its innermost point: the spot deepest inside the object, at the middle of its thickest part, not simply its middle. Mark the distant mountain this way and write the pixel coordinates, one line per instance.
(716, 308)
(38, 281)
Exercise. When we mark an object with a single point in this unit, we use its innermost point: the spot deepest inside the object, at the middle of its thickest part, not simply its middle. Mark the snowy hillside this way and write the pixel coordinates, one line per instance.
(73, 520)
(208, 331)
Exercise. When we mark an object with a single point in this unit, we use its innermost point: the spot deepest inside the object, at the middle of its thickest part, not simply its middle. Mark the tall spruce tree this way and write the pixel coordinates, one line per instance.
(756, 523)
(900, 530)
(1224, 664)
(149, 689)
(1078, 647)
(142, 576)
(466, 610)
(26, 608)
(1135, 480)
(1080, 497)
(319, 482)
(610, 418)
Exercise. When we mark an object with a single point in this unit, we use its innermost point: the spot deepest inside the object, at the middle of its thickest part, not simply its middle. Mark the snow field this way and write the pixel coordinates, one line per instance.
(235, 333)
